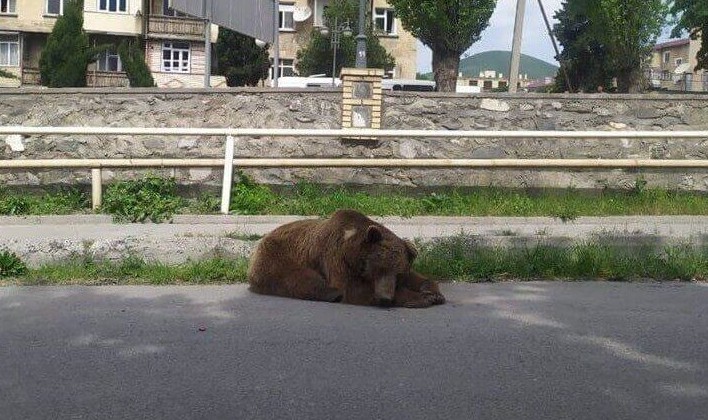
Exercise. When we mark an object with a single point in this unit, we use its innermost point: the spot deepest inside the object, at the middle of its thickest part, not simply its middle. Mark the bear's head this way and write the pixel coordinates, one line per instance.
(384, 258)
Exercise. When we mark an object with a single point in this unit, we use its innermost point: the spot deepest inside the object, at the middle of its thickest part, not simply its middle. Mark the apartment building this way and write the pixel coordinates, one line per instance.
(299, 17)
(174, 42)
(673, 64)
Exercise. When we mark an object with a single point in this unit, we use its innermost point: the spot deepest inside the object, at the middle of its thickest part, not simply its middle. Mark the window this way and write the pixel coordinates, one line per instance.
(679, 61)
(9, 50)
(175, 57)
(55, 7)
(109, 61)
(112, 5)
(667, 57)
(385, 21)
(286, 68)
(286, 21)
(7, 6)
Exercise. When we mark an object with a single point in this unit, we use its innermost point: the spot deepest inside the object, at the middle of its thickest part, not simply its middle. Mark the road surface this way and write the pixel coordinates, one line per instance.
(495, 351)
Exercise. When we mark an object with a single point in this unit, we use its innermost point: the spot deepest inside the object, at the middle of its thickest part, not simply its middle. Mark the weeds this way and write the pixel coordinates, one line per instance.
(150, 198)
(11, 265)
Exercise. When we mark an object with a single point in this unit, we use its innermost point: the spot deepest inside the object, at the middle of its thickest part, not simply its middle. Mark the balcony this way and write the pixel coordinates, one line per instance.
(175, 27)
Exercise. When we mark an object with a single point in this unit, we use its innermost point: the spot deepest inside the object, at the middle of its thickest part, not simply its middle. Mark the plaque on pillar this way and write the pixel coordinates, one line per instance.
(361, 99)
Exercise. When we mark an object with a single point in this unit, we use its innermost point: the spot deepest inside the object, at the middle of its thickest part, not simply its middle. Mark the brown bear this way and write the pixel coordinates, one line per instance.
(346, 258)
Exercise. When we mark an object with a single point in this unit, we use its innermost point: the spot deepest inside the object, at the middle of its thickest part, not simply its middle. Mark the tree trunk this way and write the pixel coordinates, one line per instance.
(629, 81)
(446, 64)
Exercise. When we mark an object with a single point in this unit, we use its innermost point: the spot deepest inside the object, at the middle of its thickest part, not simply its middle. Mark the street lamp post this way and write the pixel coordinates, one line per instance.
(335, 36)
(361, 37)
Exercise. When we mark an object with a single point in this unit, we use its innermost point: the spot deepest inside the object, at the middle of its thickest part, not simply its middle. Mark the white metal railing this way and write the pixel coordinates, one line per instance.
(231, 133)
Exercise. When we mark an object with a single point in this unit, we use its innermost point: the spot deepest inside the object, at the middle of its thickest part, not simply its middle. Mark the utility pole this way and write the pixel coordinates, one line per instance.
(206, 5)
(276, 42)
(516, 46)
(361, 38)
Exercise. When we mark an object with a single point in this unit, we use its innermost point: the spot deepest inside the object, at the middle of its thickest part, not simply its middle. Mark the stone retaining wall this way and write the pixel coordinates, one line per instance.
(322, 109)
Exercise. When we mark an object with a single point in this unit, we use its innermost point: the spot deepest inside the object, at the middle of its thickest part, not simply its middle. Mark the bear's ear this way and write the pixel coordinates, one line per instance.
(410, 250)
(373, 234)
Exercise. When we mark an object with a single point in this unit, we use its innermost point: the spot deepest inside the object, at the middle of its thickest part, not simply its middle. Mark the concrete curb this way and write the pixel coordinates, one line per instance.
(42, 239)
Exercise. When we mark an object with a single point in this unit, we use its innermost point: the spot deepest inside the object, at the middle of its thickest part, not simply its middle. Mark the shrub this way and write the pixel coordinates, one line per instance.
(152, 198)
(133, 59)
(11, 265)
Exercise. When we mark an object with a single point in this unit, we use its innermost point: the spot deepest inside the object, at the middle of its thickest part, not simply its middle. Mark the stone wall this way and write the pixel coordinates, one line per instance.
(322, 109)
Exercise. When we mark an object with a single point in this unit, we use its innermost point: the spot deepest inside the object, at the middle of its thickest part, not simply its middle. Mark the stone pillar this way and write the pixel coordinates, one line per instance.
(361, 98)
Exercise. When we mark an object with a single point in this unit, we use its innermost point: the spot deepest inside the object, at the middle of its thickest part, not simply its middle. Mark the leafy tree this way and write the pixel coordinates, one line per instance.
(609, 38)
(692, 16)
(240, 60)
(133, 59)
(316, 57)
(67, 53)
(449, 28)
(583, 58)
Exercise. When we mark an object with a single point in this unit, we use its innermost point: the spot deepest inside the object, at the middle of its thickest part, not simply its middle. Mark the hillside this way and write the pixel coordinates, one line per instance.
(499, 61)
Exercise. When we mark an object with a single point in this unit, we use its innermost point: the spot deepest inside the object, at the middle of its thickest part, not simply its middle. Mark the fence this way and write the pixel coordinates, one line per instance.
(230, 134)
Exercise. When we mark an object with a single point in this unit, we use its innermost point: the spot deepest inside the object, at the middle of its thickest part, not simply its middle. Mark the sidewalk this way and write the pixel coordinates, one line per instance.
(39, 239)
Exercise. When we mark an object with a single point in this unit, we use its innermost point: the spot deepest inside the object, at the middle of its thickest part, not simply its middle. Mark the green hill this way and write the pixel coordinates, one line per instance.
(499, 62)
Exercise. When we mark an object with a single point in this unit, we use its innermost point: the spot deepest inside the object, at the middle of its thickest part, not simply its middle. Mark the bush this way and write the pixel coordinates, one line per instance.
(133, 59)
(152, 198)
(11, 265)
(67, 53)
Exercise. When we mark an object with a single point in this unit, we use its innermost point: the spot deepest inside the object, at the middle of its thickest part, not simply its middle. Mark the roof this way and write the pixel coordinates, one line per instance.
(671, 44)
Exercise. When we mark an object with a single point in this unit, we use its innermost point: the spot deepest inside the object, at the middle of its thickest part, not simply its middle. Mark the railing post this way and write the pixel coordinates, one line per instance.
(228, 175)
(96, 188)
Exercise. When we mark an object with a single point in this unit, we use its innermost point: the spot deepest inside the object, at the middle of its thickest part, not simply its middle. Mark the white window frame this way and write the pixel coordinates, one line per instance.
(283, 64)
(184, 63)
(102, 63)
(678, 61)
(61, 8)
(6, 53)
(10, 7)
(107, 6)
(286, 21)
(387, 17)
(666, 57)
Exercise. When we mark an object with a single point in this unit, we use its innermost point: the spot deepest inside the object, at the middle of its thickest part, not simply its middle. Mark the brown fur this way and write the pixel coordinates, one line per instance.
(347, 258)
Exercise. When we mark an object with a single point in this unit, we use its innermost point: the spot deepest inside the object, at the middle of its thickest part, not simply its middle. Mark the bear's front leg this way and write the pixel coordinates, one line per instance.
(415, 291)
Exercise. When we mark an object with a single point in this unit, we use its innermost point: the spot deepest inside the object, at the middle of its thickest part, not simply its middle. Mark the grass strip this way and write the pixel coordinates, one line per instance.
(450, 259)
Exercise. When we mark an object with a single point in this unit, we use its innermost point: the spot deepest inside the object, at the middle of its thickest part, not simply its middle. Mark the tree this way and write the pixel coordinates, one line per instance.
(609, 38)
(316, 57)
(583, 58)
(240, 60)
(67, 53)
(449, 28)
(133, 60)
(692, 16)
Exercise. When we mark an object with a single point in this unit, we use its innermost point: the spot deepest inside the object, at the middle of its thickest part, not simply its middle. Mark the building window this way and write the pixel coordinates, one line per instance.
(679, 61)
(667, 57)
(55, 7)
(286, 21)
(109, 61)
(474, 82)
(9, 50)
(112, 5)
(286, 68)
(7, 6)
(384, 21)
(175, 57)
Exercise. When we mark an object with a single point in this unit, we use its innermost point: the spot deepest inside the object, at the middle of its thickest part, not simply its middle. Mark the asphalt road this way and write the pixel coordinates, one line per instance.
(495, 351)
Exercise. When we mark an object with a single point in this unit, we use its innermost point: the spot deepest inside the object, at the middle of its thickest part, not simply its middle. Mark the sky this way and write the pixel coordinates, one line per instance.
(498, 35)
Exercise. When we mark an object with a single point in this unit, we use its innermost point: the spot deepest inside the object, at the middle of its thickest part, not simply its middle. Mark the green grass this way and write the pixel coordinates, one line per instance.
(136, 271)
(458, 258)
(157, 199)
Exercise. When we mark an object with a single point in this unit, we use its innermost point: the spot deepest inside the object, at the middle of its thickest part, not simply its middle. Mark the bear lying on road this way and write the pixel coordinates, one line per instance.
(347, 258)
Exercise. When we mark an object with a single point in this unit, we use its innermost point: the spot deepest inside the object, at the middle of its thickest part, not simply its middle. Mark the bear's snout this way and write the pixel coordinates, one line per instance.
(385, 289)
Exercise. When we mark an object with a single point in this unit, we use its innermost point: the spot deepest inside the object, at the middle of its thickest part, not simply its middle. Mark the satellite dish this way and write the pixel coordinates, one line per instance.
(301, 13)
